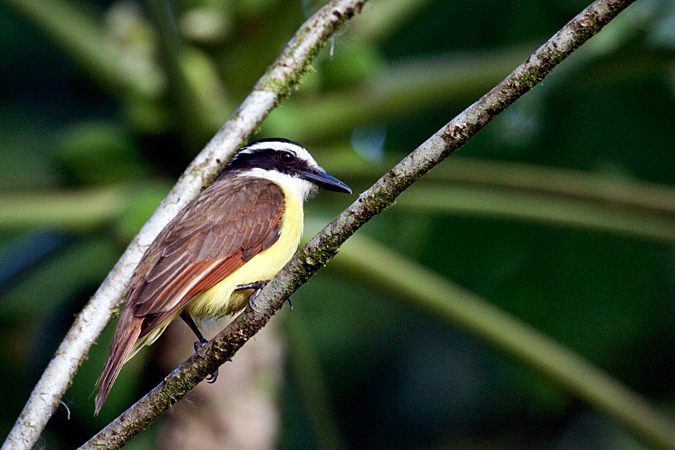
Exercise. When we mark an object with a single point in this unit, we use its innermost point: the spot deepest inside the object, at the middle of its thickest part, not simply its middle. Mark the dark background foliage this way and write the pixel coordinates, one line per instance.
(87, 152)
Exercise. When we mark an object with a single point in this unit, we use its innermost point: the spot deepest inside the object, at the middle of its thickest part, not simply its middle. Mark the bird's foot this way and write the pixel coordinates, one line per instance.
(257, 286)
(200, 343)
(213, 376)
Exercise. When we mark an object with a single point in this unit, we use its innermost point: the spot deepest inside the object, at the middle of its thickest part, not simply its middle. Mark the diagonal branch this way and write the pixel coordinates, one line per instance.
(323, 246)
(275, 85)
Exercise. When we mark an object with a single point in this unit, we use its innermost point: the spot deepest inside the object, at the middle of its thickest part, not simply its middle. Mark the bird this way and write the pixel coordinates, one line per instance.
(220, 250)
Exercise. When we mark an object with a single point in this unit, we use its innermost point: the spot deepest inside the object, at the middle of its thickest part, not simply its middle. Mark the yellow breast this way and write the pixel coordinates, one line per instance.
(221, 299)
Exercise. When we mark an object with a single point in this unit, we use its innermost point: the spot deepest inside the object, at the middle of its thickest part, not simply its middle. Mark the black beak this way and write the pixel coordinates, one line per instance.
(327, 182)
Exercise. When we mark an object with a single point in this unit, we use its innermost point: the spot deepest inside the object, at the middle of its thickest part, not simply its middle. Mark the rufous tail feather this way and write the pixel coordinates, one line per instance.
(125, 337)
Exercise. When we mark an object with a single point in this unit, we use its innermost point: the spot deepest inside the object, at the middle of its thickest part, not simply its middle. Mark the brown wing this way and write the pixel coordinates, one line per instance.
(225, 226)
(214, 236)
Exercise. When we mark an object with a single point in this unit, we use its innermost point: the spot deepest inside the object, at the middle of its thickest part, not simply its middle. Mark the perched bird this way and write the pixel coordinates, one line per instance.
(220, 249)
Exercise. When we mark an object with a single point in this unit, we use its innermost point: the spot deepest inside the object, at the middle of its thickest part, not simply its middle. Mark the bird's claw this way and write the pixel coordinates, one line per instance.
(200, 344)
(212, 377)
(257, 286)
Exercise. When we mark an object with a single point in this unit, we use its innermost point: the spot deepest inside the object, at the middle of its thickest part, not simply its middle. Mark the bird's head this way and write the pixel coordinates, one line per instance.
(286, 163)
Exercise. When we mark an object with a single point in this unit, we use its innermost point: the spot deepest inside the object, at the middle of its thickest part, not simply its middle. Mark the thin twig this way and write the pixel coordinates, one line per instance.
(323, 246)
(276, 84)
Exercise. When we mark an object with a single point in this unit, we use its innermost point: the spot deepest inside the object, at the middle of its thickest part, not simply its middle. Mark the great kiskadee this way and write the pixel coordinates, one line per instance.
(220, 249)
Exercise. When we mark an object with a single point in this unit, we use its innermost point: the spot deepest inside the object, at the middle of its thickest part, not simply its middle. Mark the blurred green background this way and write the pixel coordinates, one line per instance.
(561, 212)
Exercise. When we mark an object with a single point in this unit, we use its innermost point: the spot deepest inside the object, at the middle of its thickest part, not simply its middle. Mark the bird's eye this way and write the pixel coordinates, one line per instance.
(286, 157)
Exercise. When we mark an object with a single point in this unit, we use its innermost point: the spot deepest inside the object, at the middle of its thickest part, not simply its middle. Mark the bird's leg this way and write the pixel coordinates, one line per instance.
(193, 326)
